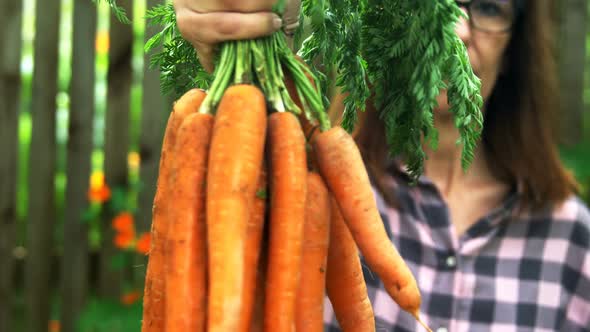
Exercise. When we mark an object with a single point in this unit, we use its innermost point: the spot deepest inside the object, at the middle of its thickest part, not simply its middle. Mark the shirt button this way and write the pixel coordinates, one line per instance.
(442, 329)
(451, 262)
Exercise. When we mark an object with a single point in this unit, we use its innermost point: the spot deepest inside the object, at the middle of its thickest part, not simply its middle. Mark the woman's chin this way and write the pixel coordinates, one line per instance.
(442, 109)
(442, 102)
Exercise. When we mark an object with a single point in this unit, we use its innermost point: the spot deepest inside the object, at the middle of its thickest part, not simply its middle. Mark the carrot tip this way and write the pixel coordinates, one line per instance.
(416, 315)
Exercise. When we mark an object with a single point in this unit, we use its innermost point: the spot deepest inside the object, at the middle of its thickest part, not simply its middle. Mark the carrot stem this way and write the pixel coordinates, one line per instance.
(243, 72)
(266, 70)
(310, 96)
(223, 74)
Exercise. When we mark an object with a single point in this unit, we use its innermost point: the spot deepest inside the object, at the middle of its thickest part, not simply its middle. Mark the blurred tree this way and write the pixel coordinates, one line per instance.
(116, 139)
(74, 276)
(572, 51)
(10, 53)
(42, 166)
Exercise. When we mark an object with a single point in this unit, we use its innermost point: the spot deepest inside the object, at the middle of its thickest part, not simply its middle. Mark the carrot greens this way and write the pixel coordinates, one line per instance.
(180, 69)
(413, 52)
(335, 43)
(265, 62)
(407, 51)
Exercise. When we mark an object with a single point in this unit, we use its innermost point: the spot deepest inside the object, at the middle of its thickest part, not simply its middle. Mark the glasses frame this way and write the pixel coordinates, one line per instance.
(467, 5)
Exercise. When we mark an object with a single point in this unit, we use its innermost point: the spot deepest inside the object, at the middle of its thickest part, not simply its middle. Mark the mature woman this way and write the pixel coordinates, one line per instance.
(502, 247)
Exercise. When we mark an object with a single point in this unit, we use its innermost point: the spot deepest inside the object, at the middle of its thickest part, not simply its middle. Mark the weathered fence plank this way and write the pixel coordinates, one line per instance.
(572, 56)
(74, 276)
(155, 111)
(42, 158)
(10, 52)
(116, 143)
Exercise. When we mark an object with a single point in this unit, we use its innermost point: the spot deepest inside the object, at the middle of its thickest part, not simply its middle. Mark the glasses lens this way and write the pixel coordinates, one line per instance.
(492, 15)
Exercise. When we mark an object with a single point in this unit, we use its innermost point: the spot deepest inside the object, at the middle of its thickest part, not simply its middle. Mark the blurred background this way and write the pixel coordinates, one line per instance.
(81, 124)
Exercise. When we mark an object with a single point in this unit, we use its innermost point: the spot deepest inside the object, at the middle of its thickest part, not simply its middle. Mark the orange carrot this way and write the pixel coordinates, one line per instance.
(186, 277)
(252, 252)
(235, 160)
(310, 296)
(154, 300)
(288, 184)
(342, 168)
(352, 307)
(257, 324)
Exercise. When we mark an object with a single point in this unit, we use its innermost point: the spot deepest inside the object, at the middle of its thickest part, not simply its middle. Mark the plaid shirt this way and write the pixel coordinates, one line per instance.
(509, 272)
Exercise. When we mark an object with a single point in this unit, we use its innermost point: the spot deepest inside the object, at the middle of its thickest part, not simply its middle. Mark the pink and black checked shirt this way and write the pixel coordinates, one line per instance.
(509, 272)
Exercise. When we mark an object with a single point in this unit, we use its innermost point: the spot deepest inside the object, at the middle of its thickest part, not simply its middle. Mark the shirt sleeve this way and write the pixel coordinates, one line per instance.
(577, 310)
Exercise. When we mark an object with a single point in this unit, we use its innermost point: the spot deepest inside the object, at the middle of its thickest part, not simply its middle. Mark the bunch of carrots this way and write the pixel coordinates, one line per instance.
(261, 205)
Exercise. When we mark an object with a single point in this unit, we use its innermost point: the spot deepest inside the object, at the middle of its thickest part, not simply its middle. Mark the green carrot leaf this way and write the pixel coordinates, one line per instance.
(120, 12)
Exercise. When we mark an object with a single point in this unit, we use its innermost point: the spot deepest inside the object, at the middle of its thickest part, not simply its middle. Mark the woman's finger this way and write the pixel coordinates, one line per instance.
(206, 54)
(216, 27)
(291, 16)
(243, 6)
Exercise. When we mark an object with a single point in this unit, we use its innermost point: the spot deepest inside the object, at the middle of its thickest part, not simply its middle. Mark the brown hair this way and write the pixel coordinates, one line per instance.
(519, 133)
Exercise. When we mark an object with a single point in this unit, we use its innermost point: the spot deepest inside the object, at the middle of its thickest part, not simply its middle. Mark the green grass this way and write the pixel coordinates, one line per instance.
(110, 316)
(577, 159)
(98, 316)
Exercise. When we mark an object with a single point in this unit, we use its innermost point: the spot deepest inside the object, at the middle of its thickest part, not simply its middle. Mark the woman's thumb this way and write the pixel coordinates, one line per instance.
(291, 16)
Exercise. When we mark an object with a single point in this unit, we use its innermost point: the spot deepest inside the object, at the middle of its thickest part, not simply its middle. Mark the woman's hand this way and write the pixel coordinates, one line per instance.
(207, 22)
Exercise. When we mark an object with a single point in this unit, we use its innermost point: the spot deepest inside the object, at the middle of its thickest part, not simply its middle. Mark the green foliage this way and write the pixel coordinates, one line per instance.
(180, 69)
(335, 42)
(412, 49)
(279, 6)
(110, 316)
(577, 158)
(119, 261)
(407, 50)
(118, 11)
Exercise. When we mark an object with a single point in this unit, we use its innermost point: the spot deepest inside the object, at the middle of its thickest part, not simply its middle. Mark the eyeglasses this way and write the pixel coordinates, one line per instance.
(495, 16)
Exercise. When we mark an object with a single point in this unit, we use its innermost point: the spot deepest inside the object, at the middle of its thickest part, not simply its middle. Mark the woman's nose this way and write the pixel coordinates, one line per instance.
(463, 29)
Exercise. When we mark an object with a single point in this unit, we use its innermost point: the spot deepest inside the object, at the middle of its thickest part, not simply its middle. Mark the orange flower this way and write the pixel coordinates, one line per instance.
(99, 195)
(102, 42)
(123, 223)
(130, 297)
(54, 326)
(143, 244)
(99, 191)
(124, 240)
(133, 160)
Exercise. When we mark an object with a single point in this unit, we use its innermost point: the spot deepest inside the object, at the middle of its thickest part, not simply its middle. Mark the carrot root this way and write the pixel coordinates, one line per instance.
(341, 165)
(154, 300)
(316, 237)
(288, 183)
(186, 277)
(237, 149)
(352, 308)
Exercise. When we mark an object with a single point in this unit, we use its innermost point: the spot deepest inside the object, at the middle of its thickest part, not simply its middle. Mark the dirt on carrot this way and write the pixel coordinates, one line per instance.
(235, 160)
(316, 238)
(342, 167)
(154, 300)
(288, 187)
(352, 308)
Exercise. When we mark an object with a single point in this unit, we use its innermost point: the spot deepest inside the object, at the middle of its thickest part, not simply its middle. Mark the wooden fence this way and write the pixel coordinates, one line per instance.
(41, 217)
(74, 267)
